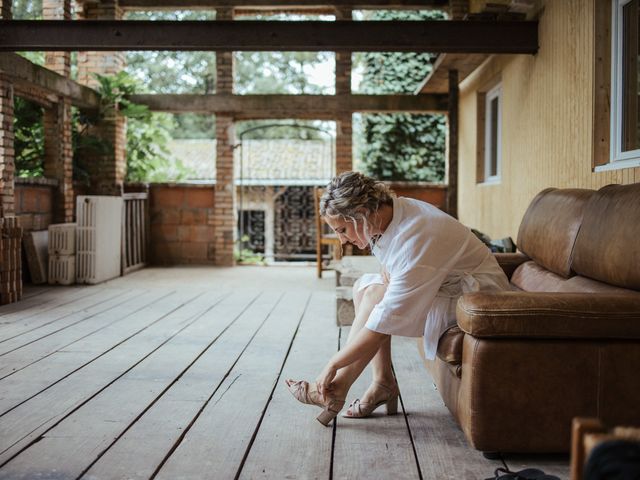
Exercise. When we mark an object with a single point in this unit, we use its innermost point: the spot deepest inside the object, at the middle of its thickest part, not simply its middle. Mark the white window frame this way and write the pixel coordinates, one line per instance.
(494, 93)
(618, 158)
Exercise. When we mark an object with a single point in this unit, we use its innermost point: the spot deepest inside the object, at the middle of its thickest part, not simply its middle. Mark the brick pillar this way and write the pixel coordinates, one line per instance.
(58, 152)
(5, 10)
(58, 163)
(7, 152)
(59, 62)
(107, 169)
(224, 60)
(225, 201)
(344, 138)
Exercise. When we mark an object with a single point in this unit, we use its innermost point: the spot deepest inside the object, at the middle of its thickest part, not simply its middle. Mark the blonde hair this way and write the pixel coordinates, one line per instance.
(354, 196)
(349, 193)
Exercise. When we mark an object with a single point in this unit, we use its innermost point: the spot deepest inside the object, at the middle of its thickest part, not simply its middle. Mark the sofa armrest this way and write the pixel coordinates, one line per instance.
(550, 315)
(510, 261)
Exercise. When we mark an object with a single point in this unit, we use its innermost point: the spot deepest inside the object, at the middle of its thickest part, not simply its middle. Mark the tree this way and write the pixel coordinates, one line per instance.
(401, 146)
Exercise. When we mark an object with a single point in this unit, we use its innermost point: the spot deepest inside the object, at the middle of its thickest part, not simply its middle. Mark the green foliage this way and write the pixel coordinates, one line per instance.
(246, 256)
(401, 146)
(279, 72)
(148, 158)
(29, 138)
(195, 72)
(27, 9)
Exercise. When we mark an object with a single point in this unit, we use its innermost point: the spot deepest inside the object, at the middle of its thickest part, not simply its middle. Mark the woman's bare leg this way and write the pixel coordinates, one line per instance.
(364, 302)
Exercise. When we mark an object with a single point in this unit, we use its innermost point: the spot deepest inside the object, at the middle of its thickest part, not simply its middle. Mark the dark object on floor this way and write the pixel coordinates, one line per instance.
(614, 460)
(526, 474)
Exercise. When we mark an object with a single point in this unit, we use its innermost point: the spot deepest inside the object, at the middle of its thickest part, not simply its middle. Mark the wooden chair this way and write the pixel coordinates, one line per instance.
(323, 238)
(586, 434)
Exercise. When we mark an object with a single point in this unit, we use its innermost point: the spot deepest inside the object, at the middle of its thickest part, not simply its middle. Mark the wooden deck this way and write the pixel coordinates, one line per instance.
(178, 373)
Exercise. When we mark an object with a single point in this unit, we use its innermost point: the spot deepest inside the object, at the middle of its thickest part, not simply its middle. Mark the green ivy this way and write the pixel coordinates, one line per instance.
(401, 146)
(28, 138)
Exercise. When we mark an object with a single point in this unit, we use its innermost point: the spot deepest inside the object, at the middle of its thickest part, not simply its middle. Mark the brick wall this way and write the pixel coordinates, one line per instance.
(34, 200)
(182, 224)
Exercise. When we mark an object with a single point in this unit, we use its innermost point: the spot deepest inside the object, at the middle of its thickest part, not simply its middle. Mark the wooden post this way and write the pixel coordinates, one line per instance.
(452, 164)
(344, 130)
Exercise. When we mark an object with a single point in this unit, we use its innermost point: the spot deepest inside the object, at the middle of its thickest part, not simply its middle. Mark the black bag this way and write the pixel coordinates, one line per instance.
(526, 474)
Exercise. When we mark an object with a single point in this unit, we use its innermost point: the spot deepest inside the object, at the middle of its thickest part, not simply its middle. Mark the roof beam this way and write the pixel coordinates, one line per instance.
(282, 4)
(24, 73)
(378, 36)
(292, 106)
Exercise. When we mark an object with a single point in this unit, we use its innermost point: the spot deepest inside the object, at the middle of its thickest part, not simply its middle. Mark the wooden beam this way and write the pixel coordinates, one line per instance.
(452, 164)
(292, 106)
(282, 4)
(410, 36)
(23, 73)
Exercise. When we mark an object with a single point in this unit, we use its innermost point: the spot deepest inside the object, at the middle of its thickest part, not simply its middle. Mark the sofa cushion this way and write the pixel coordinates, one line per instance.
(531, 277)
(550, 225)
(608, 245)
(586, 285)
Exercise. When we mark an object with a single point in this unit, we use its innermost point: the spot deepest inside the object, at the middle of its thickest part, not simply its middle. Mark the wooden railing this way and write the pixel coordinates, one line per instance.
(135, 232)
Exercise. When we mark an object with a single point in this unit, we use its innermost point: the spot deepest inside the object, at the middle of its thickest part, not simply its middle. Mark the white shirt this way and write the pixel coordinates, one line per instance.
(432, 259)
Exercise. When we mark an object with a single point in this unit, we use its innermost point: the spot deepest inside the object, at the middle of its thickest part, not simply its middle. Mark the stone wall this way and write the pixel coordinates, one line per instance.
(182, 224)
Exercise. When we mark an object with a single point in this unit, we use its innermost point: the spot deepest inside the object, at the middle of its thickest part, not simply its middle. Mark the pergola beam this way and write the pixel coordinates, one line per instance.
(22, 72)
(292, 106)
(282, 4)
(378, 36)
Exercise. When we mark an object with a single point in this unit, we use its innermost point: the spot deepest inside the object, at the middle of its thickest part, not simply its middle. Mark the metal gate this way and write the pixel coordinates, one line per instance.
(277, 169)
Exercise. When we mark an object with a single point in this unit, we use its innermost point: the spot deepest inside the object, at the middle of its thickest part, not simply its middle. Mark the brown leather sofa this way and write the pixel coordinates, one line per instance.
(520, 365)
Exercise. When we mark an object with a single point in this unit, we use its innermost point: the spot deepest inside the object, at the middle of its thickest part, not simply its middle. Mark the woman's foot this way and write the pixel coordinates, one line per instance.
(307, 393)
(376, 395)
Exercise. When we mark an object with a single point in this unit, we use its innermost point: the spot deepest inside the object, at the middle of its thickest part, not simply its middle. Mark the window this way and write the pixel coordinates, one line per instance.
(489, 135)
(625, 86)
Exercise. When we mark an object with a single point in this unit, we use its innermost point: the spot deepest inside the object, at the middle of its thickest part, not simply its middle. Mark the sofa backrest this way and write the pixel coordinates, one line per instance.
(607, 247)
(550, 225)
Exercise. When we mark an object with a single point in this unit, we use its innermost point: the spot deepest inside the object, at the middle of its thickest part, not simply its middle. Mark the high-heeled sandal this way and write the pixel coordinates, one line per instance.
(360, 409)
(307, 393)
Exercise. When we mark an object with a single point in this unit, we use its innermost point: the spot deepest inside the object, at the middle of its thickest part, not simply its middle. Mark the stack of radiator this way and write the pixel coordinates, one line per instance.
(99, 238)
(10, 260)
(62, 254)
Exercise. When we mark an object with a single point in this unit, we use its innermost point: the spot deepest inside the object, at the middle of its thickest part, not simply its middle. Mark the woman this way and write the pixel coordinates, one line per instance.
(429, 260)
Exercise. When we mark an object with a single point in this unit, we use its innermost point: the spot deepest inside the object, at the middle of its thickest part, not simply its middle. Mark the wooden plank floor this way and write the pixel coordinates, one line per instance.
(178, 374)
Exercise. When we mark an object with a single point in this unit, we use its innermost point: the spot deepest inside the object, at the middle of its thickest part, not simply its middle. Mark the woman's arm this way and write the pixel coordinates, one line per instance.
(363, 347)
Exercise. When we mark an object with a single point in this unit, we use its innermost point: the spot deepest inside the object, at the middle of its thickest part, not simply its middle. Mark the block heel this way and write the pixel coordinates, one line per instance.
(326, 416)
(392, 405)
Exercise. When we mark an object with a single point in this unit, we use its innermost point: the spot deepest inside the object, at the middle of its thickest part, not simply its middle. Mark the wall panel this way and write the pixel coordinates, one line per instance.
(547, 130)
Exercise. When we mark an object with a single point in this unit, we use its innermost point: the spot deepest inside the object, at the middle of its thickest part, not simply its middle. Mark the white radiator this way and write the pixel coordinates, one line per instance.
(98, 238)
(62, 269)
(62, 239)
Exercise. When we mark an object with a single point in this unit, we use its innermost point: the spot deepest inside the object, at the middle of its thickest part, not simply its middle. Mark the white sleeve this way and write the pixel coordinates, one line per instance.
(407, 301)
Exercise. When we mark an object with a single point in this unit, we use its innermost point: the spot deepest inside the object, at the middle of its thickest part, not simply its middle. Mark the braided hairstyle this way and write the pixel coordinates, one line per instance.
(351, 193)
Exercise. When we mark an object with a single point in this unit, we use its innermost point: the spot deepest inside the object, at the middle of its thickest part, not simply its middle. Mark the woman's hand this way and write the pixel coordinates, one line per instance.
(324, 380)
